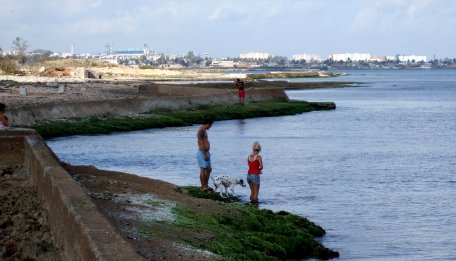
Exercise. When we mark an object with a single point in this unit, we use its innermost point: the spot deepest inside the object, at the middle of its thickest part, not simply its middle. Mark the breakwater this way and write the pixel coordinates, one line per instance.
(145, 98)
(75, 223)
(148, 98)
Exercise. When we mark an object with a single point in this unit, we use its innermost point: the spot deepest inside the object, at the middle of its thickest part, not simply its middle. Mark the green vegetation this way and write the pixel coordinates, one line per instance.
(146, 67)
(161, 119)
(244, 232)
(291, 75)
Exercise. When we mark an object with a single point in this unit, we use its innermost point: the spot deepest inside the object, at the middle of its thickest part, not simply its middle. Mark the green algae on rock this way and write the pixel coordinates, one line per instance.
(244, 232)
(168, 118)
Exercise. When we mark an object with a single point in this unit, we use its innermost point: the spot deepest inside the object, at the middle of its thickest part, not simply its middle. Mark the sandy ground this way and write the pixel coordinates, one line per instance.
(24, 232)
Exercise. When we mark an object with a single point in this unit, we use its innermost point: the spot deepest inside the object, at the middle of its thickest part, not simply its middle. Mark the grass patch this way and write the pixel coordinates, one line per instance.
(166, 118)
(244, 232)
(69, 62)
(8, 66)
(104, 125)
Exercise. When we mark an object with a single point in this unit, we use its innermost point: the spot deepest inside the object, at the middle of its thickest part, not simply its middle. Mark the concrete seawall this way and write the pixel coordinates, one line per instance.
(76, 224)
(149, 98)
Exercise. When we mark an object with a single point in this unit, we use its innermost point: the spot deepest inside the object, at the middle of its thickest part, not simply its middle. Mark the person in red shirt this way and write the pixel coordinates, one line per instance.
(240, 85)
(255, 163)
(3, 119)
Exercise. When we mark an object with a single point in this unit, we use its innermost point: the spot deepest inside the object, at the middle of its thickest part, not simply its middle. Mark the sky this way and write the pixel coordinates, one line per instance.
(227, 28)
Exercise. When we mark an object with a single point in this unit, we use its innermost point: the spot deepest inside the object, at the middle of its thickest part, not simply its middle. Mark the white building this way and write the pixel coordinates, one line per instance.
(411, 58)
(223, 63)
(407, 58)
(254, 56)
(109, 58)
(307, 57)
(377, 58)
(350, 56)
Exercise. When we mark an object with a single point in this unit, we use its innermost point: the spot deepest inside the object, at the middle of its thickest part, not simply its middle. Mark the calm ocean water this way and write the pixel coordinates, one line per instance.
(378, 173)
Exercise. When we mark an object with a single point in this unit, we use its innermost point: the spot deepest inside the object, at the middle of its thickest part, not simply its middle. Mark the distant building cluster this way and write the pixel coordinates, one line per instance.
(407, 58)
(146, 57)
(356, 57)
(305, 57)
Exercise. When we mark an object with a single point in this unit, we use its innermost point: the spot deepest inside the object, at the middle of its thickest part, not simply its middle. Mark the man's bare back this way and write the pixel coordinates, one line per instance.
(203, 155)
(203, 139)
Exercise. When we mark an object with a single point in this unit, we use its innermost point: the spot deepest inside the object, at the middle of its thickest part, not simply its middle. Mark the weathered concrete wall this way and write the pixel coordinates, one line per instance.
(12, 149)
(159, 97)
(78, 227)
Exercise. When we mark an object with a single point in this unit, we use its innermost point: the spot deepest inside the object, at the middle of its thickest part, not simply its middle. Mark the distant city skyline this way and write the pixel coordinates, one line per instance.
(230, 28)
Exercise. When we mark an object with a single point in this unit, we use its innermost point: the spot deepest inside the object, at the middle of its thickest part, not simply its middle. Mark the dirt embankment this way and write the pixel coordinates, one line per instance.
(130, 202)
(24, 232)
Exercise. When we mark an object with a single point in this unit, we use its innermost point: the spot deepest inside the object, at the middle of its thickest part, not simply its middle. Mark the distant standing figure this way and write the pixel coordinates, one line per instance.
(3, 119)
(255, 163)
(203, 156)
(240, 85)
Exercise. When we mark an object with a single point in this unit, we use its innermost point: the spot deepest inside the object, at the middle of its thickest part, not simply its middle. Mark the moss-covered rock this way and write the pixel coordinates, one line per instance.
(161, 119)
(245, 232)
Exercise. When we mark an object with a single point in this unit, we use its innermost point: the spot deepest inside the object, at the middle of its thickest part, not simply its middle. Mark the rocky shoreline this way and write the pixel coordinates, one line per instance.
(101, 188)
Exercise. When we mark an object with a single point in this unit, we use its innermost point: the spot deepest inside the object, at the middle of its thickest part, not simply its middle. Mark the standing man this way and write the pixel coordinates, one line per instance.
(203, 156)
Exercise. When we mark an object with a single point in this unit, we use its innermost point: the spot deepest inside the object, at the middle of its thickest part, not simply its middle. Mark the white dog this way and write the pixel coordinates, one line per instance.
(222, 183)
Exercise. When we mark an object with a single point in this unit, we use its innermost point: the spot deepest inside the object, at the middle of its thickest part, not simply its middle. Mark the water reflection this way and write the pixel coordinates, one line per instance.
(241, 126)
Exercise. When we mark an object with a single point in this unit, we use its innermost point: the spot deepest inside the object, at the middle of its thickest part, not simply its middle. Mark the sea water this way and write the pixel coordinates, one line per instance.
(378, 173)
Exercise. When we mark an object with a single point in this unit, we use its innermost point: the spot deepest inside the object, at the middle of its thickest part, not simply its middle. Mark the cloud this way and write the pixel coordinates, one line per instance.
(104, 26)
(220, 11)
(229, 26)
(395, 15)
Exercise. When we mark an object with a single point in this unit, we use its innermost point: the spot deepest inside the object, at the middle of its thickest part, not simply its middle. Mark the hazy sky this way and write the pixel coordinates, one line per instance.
(224, 28)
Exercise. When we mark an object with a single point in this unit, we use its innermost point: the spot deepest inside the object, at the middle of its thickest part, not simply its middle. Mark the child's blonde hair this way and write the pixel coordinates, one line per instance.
(256, 146)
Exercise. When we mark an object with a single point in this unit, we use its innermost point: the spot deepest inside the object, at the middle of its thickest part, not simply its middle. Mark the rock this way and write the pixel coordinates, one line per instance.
(5, 222)
(11, 249)
(61, 88)
(91, 74)
(52, 84)
(23, 91)
(68, 72)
